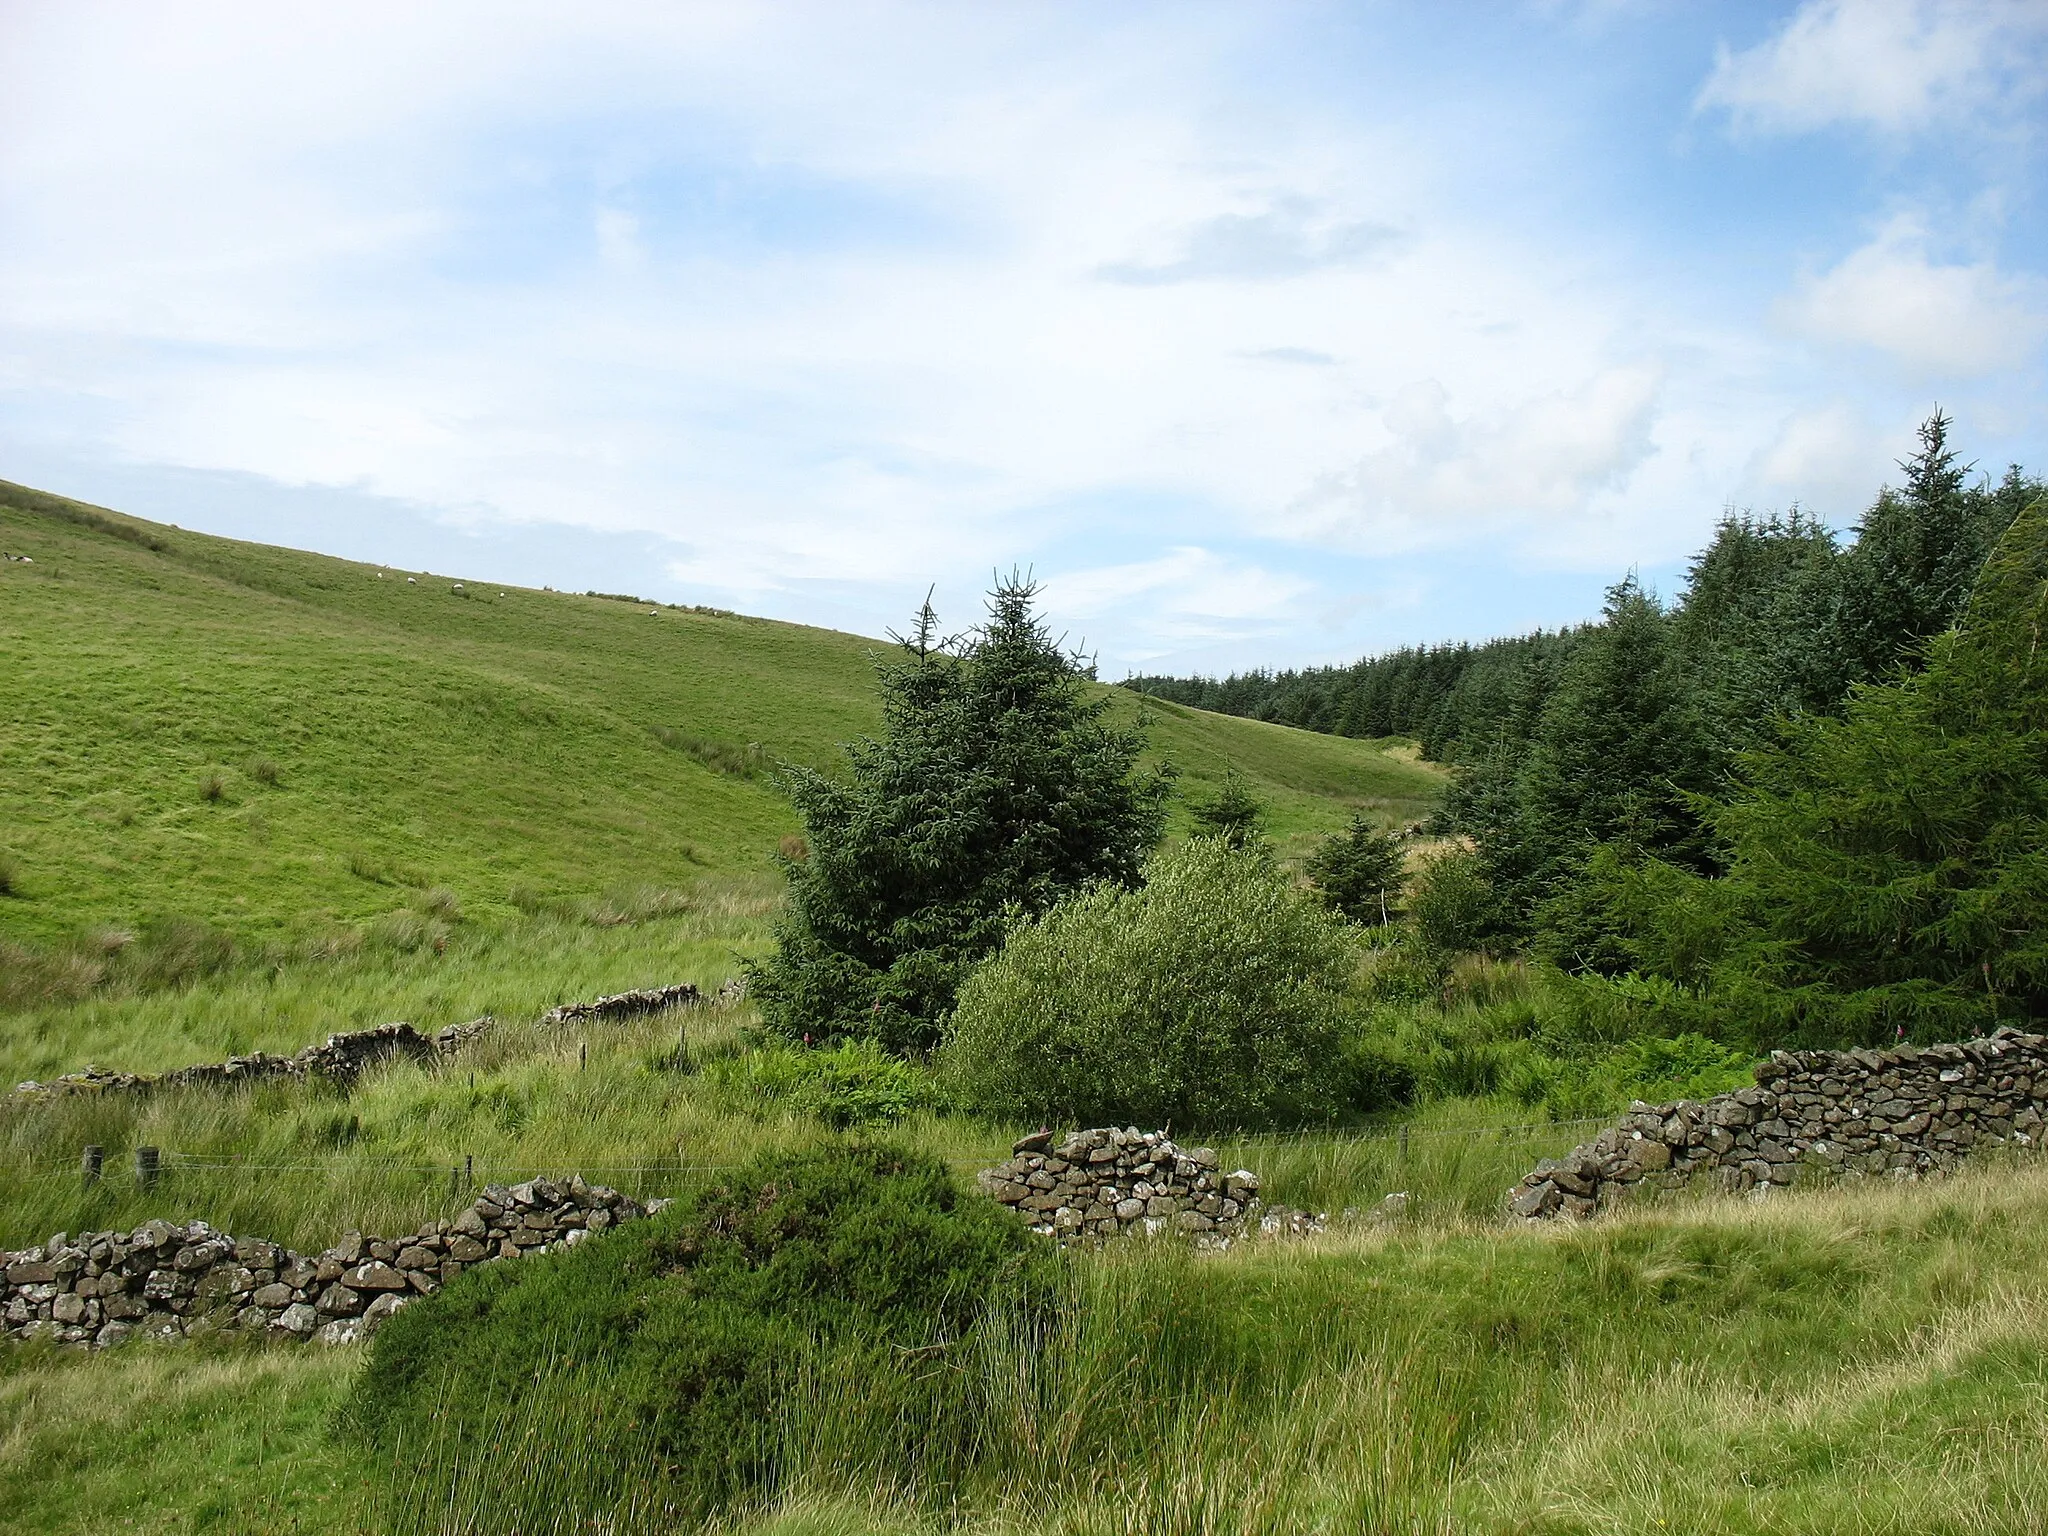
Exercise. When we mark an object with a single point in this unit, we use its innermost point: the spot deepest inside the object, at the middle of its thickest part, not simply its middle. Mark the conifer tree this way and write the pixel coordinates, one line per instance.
(1358, 872)
(1894, 863)
(996, 786)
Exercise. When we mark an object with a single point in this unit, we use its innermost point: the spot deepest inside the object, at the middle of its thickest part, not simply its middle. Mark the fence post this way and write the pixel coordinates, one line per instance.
(582, 1054)
(1404, 1144)
(469, 1170)
(90, 1165)
(147, 1162)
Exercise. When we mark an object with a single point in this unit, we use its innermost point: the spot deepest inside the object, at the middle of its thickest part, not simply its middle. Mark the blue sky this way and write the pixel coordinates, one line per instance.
(1263, 333)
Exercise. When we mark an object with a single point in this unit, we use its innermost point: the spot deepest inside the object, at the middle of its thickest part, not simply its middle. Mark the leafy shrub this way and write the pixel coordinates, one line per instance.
(1451, 905)
(852, 1084)
(1604, 1081)
(1210, 996)
(684, 1337)
(1358, 872)
(997, 786)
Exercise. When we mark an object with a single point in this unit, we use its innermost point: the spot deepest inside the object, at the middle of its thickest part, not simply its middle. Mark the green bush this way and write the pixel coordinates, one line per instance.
(1451, 905)
(675, 1343)
(851, 1084)
(1211, 996)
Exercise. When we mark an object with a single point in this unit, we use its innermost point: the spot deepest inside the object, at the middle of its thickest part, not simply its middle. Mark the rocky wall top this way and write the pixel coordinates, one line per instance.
(1098, 1183)
(1903, 1112)
(170, 1280)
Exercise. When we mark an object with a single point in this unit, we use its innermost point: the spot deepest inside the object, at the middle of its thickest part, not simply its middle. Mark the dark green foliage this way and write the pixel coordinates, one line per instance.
(1358, 872)
(682, 1338)
(1583, 753)
(1211, 996)
(1449, 697)
(1232, 815)
(1894, 863)
(995, 787)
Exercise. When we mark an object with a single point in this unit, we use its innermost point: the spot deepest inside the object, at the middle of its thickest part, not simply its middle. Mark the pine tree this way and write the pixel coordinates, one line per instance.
(995, 787)
(1359, 872)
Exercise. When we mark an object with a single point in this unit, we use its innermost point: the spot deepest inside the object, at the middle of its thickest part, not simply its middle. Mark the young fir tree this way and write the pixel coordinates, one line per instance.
(1358, 872)
(1233, 814)
(996, 786)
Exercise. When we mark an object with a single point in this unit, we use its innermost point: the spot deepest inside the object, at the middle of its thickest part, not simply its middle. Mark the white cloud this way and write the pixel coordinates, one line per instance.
(1830, 460)
(1189, 596)
(1291, 236)
(1935, 319)
(1538, 464)
(1896, 65)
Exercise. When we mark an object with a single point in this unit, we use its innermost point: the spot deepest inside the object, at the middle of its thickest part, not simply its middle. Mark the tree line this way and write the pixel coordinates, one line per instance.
(1706, 790)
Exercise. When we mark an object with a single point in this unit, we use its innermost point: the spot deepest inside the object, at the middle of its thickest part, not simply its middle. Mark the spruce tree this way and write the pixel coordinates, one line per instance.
(995, 787)
(1359, 872)
(1890, 868)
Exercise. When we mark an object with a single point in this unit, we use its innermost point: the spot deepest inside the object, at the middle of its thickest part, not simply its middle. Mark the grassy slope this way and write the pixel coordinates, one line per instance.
(475, 742)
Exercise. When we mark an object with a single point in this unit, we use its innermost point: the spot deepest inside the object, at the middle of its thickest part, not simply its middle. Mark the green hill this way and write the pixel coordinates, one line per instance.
(269, 740)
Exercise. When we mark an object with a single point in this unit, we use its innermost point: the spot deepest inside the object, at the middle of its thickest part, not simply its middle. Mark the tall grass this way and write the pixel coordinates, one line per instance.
(1871, 1359)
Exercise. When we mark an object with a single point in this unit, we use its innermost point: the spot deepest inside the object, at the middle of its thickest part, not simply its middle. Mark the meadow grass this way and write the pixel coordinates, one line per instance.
(1865, 1359)
(276, 743)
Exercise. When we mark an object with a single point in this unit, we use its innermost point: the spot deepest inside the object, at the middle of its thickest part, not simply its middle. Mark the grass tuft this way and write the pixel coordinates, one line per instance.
(213, 786)
(752, 761)
(262, 770)
(10, 875)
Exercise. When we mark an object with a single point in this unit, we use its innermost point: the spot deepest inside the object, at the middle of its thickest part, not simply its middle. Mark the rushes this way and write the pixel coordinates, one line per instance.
(751, 761)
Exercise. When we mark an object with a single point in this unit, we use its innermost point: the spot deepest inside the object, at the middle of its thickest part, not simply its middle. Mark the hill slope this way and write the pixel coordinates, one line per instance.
(269, 740)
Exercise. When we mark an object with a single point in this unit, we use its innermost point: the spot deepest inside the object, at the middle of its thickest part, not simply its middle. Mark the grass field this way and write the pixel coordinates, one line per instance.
(276, 743)
(249, 796)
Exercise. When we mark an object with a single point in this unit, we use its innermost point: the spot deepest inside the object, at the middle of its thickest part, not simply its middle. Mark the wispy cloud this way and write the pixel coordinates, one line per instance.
(1291, 237)
(1896, 65)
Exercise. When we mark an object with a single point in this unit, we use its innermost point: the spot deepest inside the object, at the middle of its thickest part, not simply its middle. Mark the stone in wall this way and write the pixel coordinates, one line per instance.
(340, 1059)
(1903, 1113)
(1099, 1183)
(167, 1280)
(629, 1005)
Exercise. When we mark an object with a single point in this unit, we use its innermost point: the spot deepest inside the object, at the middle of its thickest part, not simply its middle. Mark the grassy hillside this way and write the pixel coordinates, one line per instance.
(272, 741)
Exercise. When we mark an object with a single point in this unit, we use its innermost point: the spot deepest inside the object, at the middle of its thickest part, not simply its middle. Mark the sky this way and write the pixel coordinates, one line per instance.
(1262, 334)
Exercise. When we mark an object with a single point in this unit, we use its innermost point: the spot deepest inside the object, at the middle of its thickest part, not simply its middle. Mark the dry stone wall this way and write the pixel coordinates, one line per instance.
(1100, 1183)
(627, 1005)
(1903, 1112)
(339, 1059)
(165, 1280)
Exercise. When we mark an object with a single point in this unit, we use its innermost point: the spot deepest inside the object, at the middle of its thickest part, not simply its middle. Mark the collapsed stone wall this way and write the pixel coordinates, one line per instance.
(1103, 1182)
(340, 1059)
(165, 1280)
(627, 1005)
(1903, 1112)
